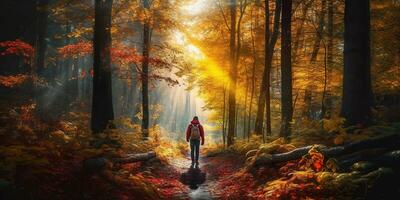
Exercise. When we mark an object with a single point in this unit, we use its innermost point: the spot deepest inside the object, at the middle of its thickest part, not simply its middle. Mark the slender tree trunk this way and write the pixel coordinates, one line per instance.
(299, 31)
(145, 75)
(319, 34)
(323, 106)
(131, 107)
(357, 92)
(41, 47)
(268, 63)
(102, 107)
(41, 28)
(265, 80)
(223, 117)
(286, 69)
(75, 79)
(329, 60)
(236, 120)
(253, 72)
(245, 103)
(264, 98)
(232, 75)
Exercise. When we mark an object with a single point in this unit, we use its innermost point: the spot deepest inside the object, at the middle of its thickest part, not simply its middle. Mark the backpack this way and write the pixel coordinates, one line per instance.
(195, 132)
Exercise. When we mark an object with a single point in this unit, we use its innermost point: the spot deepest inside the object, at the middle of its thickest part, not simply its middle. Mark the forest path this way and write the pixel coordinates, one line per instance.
(198, 179)
(203, 182)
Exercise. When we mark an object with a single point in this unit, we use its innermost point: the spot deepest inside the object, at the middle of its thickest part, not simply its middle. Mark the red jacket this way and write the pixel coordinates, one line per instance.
(200, 127)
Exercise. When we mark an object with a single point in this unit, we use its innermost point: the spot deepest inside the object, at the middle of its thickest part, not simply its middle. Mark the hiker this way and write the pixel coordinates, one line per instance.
(194, 133)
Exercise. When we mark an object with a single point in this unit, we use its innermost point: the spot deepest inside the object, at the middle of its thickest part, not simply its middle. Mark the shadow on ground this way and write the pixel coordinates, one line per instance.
(193, 177)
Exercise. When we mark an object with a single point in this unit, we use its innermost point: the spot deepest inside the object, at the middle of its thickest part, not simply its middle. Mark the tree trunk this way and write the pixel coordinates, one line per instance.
(319, 34)
(286, 69)
(41, 46)
(329, 60)
(75, 79)
(253, 73)
(232, 75)
(92, 165)
(266, 77)
(299, 31)
(102, 107)
(264, 98)
(357, 92)
(134, 157)
(41, 28)
(223, 116)
(245, 104)
(145, 75)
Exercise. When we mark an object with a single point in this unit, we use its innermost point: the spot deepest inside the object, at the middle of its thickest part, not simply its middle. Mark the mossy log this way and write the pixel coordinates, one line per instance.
(388, 142)
(97, 164)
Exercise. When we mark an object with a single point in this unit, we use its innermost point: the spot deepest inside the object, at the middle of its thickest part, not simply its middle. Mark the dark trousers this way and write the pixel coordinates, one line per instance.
(194, 149)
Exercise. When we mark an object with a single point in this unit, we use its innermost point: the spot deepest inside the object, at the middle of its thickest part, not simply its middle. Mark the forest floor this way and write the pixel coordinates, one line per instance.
(44, 161)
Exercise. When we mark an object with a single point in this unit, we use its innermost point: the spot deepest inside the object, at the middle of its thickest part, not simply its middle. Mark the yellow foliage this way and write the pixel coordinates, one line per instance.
(333, 125)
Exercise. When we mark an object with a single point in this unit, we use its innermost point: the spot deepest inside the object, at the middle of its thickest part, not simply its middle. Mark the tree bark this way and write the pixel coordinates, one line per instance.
(145, 75)
(286, 69)
(102, 107)
(41, 47)
(135, 157)
(357, 91)
(319, 33)
(266, 77)
(245, 103)
(264, 98)
(388, 142)
(299, 31)
(41, 28)
(223, 116)
(97, 164)
(329, 60)
(243, 5)
(232, 75)
(253, 72)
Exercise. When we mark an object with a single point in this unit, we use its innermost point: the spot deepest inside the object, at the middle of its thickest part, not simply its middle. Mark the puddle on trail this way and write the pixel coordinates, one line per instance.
(195, 178)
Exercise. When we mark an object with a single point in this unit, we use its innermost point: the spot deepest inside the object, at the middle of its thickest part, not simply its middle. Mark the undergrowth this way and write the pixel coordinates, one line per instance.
(43, 160)
(313, 176)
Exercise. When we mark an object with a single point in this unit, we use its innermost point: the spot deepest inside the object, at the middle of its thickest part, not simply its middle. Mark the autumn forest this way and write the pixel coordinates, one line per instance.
(199, 99)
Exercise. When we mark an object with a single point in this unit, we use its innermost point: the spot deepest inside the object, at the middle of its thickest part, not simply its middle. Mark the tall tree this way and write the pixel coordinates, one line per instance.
(102, 107)
(253, 70)
(145, 73)
(319, 32)
(242, 9)
(232, 76)
(266, 77)
(297, 43)
(329, 61)
(286, 69)
(357, 91)
(41, 44)
(223, 116)
(41, 28)
(270, 41)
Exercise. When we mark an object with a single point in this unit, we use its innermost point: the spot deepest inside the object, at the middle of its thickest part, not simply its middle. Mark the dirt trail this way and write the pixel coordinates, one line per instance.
(199, 180)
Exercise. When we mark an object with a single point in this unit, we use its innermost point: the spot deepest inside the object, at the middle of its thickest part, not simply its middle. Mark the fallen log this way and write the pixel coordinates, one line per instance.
(97, 164)
(389, 159)
(389, 141)
(130, 158)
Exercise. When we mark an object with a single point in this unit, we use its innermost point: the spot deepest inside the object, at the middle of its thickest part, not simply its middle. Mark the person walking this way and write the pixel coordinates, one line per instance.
(194, 134)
